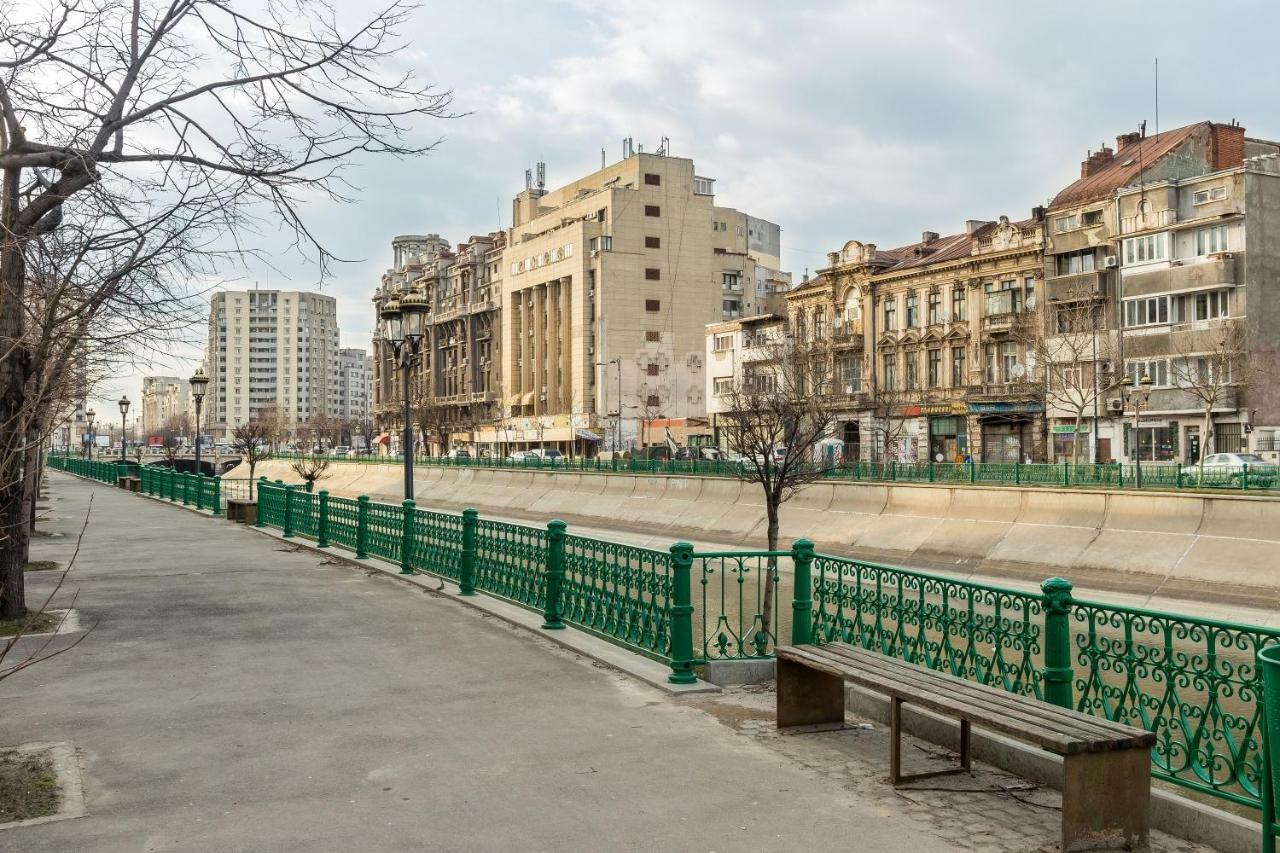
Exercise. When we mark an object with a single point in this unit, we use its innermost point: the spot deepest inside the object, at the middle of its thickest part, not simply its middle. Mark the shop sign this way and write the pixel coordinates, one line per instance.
(1000, 408)
(943, 409)
(1069, 428)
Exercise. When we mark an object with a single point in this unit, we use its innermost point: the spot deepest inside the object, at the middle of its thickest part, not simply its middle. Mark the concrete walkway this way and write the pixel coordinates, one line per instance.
(237, 695)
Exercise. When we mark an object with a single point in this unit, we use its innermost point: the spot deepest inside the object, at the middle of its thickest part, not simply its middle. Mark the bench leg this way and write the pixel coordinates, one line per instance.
(895, 749)
(809, 698)
(1106, 800)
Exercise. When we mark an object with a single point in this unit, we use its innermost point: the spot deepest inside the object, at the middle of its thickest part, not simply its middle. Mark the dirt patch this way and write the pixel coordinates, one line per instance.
(28, 786)
(42, 623)
(41, 566)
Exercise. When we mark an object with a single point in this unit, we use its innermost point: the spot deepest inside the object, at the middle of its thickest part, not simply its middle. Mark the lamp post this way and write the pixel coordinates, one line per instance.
(403, 321)
(1139, 394)
(89, 415)
(199, 382)
(617, 426)
(124, 413)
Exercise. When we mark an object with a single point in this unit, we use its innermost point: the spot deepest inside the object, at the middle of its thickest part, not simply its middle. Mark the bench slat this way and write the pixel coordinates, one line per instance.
(1048, 726)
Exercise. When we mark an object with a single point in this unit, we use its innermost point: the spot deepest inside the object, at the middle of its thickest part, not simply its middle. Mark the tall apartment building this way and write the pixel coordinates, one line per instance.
(1168, 239)
(272, 349)
(164, 398)
(352, 384)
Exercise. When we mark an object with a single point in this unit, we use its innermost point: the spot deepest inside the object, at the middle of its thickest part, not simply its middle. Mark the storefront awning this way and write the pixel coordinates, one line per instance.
(527, 399)
(587, 435)
(382, 439)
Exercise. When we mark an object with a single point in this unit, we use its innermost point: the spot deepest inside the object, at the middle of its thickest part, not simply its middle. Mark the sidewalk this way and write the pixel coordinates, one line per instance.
(239, 696)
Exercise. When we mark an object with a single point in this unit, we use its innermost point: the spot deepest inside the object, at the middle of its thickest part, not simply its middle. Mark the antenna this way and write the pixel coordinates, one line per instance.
(542, 176)
(528, 179)
(601, 158)
(1157, 96)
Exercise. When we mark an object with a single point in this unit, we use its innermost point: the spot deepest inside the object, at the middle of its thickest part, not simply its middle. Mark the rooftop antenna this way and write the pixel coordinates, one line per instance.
(601, 158)
(528, 179)
(542, 176)
(1157, 96)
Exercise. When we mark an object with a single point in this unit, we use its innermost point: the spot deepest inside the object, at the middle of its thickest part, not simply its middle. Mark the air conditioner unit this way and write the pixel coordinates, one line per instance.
(595, 253)
(1110, 262)
(1115, 404)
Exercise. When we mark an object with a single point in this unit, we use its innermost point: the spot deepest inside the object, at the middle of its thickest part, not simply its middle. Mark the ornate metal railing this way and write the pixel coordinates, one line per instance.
(623, 592)
(737, 603)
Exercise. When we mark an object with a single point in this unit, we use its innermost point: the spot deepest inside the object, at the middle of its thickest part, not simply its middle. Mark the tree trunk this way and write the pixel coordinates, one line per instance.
(1206, 432)
(1075, 440)
(13, 521)
(772, 503)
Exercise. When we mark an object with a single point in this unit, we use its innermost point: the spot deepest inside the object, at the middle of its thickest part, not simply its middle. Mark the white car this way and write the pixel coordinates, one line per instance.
(1228, 469)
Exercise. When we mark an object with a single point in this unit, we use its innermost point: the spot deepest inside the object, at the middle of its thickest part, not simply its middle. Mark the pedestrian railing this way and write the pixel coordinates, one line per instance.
(1193, 682)
(1161, 476)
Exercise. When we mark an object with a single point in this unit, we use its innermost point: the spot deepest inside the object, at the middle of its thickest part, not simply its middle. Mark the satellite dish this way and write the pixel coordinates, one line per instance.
(1017, 371)
(1031, 303)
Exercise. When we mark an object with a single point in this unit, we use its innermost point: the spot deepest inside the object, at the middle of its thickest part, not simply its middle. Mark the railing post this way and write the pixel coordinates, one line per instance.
(681, 615)
(362, 527)
(217, 495)
(1244, 477)
(322, 524)
(1066, 474)
(261, 520)
(288, 511)
(1057, 671)
(186, 489)
(173, 485)
(554, 575)
(930, 469)
(467, 565)
(1017, 472)
(406, 537)
(802, 594)
(973, 472)
(1179, 476)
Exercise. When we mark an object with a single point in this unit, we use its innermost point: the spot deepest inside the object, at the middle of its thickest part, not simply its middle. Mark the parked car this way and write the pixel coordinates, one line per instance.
(341, 450)
(1228, 469)
(458, 453)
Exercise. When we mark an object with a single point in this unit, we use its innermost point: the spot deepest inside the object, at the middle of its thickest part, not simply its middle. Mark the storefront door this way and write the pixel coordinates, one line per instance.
(1002, 441)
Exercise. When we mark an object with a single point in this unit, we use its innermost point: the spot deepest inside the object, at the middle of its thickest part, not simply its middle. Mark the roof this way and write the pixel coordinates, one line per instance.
(1125, 166)
(814, 283)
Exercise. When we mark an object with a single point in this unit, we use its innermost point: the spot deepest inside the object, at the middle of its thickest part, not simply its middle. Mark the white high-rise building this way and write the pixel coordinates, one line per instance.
(271, 349)
(353, 381)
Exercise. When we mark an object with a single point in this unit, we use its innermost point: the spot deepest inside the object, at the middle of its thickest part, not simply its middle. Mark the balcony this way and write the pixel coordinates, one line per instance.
(1062, 288)
(995, 391)
(1184, 274)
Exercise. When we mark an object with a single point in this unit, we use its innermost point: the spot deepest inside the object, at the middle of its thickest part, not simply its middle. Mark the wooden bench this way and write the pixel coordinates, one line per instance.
(242, 511)
(131, 484)
(1106, 788)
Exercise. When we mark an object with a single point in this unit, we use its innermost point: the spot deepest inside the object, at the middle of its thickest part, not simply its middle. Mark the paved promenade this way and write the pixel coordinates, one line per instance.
(241, 696)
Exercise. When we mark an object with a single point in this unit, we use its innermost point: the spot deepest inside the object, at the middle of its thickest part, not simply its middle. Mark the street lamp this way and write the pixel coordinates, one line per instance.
(403, 321)
(124, 412)
(89, 415)
(617, 426)
(1139, 395)
(199, 382)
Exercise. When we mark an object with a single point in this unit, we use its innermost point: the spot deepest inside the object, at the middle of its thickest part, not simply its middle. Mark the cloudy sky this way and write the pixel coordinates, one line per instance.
(866, 120)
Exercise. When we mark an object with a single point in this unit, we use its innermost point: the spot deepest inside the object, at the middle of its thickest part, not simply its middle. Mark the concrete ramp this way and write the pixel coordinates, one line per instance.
(1063, 508)
(1248, 518)
(1154, 513)
(853, 508)
(804, 515)
(925, 501)
(722, 509)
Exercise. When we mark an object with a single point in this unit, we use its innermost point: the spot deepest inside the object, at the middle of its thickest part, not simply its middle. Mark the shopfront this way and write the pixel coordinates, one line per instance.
(948, 432)
(1157, 441)
(1007, 430)
(1066, 439)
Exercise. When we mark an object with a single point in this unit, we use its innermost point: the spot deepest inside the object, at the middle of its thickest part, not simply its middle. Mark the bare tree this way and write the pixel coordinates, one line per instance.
(251, 440)
(326, 429)
(433, 420)
(172, 434)
(182, 123)
(1211, 366)
(311, 468)
(777, 411)
(1073, 349)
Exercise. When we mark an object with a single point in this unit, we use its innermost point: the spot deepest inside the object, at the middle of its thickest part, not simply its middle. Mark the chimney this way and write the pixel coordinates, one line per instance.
(1096, 161)
(928, 237)
(971, 225)
(1226, 145)
(1037, 213)
(1124, 140)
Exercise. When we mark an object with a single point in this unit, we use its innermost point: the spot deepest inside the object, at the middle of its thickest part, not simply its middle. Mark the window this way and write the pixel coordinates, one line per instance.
(652, 243)
(652, 210)
(913, 371)
(651, 369)
(1093, 217)
(935, 307)
(722, 343)
(890, 313)
(703, 186)
(602, 243)
(957, 304)
(1157, 369)
(851, 374)
(1229, 438)
(723, 385)
(653, 337)
(958, 375)
(652, 274)
(1212, 239)
(652, 180)
(731, 307)
(1071, 263)
(1009, 361)
(1206, 196)
(1141, 250)
(1147, 311)
(933, 373)
(913, 310)
(652, 401)
(991, 372)
(890, 372)
(731, 281)
(1065, 223)
(1208, 371)
(1211, 305)
(653, 305)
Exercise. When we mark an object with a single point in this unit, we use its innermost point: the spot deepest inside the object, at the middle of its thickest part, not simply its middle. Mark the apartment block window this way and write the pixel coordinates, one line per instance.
(602, 243)
(652, 210)
(652, 180)
(652, 401)
(732, 307)
(731, 281)
(1228, 438)
(1212, 239)
(1065, 223)
(1157, 369)
(1141, 250)
(722, 343)
(1211, 305)
(1072, 263)
(652, 274)
(652, 243)
(1206, 196)
(653, 337)
(651, 369)
(958, 376)
(723, 385)
(890, 313)
(957, 304)
(1148, 311)
(913, 371)
(913, 310)
(890, 372)
(1092, 217)
(935, 307)
(653, 305)
(933, 372)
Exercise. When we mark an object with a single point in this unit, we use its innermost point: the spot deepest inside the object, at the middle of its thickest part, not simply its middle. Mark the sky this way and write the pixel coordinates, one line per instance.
(872, 121)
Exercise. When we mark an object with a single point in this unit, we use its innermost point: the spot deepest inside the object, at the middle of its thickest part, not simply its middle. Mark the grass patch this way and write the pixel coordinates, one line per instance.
(41, 624)
(41, 566)
(28, 786)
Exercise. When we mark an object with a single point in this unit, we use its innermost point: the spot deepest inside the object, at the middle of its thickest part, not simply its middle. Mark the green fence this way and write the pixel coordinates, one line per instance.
(1160, 476)
(190, 489)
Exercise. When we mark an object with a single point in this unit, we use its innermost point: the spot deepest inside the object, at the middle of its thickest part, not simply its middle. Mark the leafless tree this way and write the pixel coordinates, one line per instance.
(182, 124)
(326, 429)
(433, 419)
(252, 440)
(274, 421)
(777, 412)
(311, 468)
(1211, 365)
(173, 435)
(1072, 350)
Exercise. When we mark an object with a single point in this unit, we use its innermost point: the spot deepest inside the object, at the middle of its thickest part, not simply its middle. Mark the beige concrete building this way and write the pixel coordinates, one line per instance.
(270, 348)
(163, 398)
